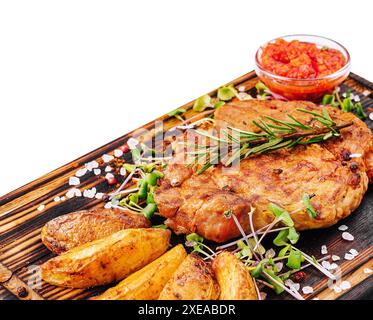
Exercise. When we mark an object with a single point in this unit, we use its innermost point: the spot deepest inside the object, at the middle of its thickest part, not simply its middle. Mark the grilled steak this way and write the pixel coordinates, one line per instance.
(196, 203)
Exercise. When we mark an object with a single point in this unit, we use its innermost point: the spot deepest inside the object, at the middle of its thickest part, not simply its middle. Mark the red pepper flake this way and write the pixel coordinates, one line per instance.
(298, 276)
(124, 148)
(111, 180)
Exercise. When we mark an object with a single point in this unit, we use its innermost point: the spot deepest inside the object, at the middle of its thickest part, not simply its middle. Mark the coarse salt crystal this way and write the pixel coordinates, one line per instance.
(367, 270)
(132, 143)
(357, 98)
(63, 198)
(41, 207)
(307, 290)
(107, 158)
(108, 169)
(118, 153)
(335, 257)
(57, 199)
(109, 176)
(91, 165)
(89, 193)
(324, 250)
(74, 192)
(107, 205)
(355, 155)
(348, 236)
(123, 171)
(337, 289)
(244, 96)
(325, 264)
(74, 181)
(342, 227)
(354, 252)
(99, 195)
(241, 88)
(81, 172)
(345, 285)
(366, 93)
(371, 116)
(333, 266)
(292, 285)
(349, 256)
(97, 171)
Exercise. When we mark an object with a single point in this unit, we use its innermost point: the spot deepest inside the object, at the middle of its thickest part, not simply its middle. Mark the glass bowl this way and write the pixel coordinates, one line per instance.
(304, 89)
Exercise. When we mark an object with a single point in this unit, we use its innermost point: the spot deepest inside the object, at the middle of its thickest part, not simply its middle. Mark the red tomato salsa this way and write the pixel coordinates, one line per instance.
(300, 60)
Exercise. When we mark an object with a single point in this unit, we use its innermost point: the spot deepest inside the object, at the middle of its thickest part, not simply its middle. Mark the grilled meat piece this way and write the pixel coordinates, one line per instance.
(196, 203)
(74, 229)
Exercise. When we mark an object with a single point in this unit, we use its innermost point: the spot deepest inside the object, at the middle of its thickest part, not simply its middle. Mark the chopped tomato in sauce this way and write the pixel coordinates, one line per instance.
(300, 60)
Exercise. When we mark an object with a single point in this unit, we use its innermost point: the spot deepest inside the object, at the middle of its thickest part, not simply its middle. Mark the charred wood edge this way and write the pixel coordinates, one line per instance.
(16, 286)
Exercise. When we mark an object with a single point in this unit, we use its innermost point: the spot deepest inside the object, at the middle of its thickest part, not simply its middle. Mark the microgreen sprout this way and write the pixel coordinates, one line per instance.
(345, 103)
(226, 93)
(307, 203)
(229, 214)
(261, 90)
(196, 242)
(202, 103)
(177, 113)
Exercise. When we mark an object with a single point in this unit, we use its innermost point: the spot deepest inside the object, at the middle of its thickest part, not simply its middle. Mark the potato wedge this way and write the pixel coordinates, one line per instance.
(74, 229)
(234, 280)
(147, 283)
(106, 260)
(193, 280)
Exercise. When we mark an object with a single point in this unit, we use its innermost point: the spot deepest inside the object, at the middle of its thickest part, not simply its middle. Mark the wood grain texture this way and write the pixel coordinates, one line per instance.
(21, 250)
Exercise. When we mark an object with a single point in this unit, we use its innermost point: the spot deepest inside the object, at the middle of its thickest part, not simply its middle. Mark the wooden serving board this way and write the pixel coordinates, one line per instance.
(21, 219)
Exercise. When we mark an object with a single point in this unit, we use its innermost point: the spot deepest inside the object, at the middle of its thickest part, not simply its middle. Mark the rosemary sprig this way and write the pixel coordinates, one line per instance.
(275, 134)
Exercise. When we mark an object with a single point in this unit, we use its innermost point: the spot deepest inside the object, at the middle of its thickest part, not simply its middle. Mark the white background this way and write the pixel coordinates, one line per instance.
(75, 75)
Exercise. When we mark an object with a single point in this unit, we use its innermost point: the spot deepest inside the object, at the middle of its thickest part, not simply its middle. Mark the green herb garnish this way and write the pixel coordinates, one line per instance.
(309, 208)
(177, 113)
(346, 104)
(202, 103)
(227, 93)
(275, 135)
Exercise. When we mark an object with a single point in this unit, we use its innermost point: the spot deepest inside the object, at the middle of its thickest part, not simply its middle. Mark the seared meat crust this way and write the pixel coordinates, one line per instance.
(196, 203)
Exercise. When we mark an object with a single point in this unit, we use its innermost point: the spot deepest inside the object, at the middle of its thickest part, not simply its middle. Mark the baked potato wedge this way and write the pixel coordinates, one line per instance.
(234, 279)
(147, 283)
(106, 260)
(193, 280)
(74, 229)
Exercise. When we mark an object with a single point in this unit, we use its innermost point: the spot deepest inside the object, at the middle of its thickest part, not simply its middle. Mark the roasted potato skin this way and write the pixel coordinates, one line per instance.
(106, 260)
(147, 283)
(74, 229)
(234, 280)
(193, 280)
